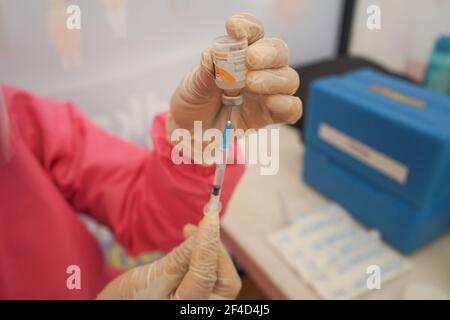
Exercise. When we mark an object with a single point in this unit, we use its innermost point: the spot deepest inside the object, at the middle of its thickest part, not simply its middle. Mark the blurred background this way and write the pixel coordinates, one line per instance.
(122, 66)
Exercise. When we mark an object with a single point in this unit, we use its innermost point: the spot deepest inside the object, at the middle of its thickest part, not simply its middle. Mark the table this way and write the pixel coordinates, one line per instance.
(255, 211)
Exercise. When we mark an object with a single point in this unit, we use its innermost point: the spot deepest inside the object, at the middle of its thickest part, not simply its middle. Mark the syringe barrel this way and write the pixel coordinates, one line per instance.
(219, 175)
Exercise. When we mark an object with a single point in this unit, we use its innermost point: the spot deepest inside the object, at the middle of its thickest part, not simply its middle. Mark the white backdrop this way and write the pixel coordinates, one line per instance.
(409, 29)
(123, 78)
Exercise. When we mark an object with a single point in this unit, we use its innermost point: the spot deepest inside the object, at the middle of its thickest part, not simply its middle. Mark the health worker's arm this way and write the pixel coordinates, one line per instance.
(141, 195)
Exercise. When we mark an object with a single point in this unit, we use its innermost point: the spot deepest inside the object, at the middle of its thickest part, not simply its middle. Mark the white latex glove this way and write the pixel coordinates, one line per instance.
(228, 284)
(270, 83)
(199, 268)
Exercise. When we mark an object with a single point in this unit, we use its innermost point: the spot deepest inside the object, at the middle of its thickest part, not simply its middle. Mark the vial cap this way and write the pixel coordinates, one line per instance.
(233, 101)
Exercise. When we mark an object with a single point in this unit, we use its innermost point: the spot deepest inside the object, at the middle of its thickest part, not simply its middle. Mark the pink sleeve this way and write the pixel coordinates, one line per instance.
(141, 195)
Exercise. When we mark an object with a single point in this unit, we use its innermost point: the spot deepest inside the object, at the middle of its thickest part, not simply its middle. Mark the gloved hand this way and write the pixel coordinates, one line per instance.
(270, 84)
(199, 268)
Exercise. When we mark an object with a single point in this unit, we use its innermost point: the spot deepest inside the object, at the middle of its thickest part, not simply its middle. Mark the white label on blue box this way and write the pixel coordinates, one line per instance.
(369, 156)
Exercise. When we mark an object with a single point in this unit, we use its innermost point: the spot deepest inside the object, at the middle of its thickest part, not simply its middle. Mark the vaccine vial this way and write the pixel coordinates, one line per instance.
(230, 68)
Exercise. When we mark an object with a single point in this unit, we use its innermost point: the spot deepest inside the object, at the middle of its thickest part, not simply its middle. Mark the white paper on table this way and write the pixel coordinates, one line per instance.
(332, 252)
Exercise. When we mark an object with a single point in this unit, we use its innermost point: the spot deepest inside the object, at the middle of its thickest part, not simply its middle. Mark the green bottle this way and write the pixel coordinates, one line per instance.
(437, 77)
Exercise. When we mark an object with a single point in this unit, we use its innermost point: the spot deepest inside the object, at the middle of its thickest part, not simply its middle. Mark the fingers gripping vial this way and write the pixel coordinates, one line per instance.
(214, 201)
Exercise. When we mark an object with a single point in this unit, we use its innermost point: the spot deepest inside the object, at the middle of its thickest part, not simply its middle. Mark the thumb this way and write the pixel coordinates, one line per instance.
(201, 80)
(228, 283)
(200, 84)
(197, 97)
(199, 281)
(206, 62)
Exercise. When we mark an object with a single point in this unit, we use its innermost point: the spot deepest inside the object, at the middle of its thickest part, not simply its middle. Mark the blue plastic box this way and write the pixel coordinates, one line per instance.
(380, 147)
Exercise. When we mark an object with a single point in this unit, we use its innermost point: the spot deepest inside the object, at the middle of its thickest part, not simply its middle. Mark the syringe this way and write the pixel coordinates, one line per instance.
(230, 71)
(214, 204)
